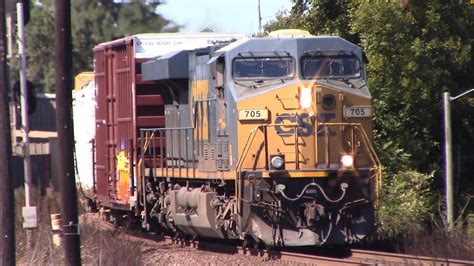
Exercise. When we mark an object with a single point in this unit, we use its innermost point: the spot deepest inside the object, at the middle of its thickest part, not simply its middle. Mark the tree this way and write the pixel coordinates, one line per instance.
(93, 22)
(284, 20)
(319, 17)
(386, 36)
(39, 39)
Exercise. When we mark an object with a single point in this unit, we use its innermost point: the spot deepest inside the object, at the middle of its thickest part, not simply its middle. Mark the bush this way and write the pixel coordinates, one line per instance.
(406, 203)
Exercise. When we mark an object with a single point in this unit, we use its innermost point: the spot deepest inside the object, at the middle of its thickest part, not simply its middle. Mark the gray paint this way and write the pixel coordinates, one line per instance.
(168, 66)
(179, 141)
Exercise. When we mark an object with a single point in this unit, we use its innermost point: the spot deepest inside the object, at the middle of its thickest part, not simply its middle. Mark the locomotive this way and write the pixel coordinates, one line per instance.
(263, 139)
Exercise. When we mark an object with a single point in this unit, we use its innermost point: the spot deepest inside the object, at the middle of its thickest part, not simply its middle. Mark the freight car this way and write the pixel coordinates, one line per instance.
(262, 139)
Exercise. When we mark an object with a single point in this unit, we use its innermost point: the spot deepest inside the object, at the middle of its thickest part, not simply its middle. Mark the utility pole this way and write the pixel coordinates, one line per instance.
(29, 211)
(7, 208)
(63, 87)
(448, 160)
(448, 155)
(259, 19)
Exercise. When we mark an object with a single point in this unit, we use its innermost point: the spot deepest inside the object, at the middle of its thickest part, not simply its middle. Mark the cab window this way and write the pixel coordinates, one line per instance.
(315, 67)
(263, 68)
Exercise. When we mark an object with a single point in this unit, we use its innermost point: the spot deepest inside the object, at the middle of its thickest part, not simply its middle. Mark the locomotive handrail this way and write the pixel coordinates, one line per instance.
(147, 143)
(163, 131)
(167, 129)
(250, 138)
(252, 134)
(140, 169)
(371, 151)
(376, 159)
(192, 128)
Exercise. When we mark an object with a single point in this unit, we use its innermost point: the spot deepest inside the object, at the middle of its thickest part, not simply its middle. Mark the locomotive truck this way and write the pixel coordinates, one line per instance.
(264, 139)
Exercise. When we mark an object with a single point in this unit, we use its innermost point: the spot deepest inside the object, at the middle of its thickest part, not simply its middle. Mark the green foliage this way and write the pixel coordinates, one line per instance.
(284, 20)
(385, 33)
(396, 159)
(93, 22)
(39, 41)
(406, 203)
(319, 17)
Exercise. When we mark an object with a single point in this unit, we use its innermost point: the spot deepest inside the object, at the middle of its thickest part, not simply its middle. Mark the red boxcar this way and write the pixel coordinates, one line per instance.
(125, 104)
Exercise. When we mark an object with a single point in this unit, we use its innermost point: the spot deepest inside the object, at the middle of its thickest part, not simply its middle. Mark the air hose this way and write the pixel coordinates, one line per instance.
(343, 188)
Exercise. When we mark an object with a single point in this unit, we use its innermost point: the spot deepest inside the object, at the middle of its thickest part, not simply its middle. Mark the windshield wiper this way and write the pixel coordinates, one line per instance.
(260, 82)
(346, 80)
(243, 85)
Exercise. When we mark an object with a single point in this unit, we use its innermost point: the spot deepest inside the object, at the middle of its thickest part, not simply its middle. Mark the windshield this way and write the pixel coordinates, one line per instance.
(263, 67)
(315, 67)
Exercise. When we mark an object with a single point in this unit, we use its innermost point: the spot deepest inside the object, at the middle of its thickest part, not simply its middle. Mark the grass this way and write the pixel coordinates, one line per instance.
(98, 246)
(439, 243)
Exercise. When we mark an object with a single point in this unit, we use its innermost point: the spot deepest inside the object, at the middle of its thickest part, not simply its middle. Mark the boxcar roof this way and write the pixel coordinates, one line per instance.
(150, 45)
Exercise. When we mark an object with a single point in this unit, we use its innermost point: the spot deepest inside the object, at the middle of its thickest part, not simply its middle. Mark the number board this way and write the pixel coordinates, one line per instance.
(357, 111)
(253, 114)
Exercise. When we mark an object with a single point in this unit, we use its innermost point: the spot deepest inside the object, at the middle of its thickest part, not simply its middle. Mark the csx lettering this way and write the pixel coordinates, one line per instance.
(305, 127)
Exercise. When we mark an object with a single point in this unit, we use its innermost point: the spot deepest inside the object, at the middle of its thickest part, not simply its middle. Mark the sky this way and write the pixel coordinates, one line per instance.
(233, 16)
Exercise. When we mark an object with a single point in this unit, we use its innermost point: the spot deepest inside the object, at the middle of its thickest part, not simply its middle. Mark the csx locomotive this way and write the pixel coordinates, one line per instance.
(262, 139)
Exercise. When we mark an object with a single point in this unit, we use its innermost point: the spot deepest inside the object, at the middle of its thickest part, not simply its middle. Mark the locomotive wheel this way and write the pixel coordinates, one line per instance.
(127, 222)
(261, 245)
(178, 237)
(248, 242)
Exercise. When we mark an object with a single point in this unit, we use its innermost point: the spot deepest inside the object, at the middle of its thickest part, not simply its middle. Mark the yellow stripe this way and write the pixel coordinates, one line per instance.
(305, 174)
(231, 174)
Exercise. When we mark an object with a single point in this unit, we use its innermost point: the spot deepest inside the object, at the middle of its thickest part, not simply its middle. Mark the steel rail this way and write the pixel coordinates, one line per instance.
(385, 258)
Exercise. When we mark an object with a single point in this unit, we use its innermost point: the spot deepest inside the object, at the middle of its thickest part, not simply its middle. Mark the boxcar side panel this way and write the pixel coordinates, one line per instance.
(101, 129)
(124, 83)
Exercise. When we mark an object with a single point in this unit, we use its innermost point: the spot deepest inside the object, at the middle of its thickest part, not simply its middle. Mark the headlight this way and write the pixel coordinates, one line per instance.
(305, 97)
(277, 162)
(347, 160)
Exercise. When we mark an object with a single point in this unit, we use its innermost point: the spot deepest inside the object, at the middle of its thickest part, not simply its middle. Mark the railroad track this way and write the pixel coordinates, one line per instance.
(349, 257)
(384, 258)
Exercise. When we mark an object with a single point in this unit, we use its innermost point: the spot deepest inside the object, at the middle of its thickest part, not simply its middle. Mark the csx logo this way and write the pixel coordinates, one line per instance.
(305, 126)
